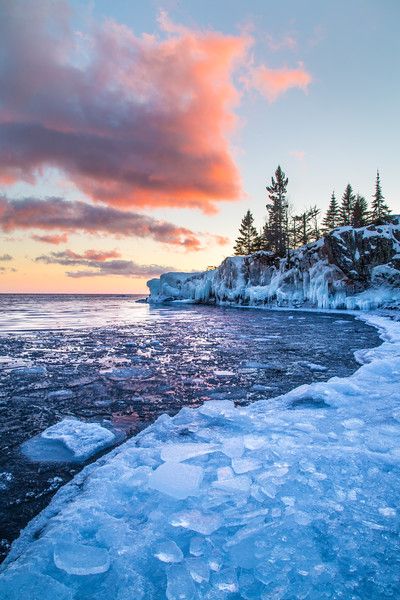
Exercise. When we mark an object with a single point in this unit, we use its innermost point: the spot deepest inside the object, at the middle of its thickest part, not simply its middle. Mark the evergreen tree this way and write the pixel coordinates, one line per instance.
(379, 210)
(248, 240)
(346, 208)
(332, 217)
(304, 227)
(360, 212)
(277, 229)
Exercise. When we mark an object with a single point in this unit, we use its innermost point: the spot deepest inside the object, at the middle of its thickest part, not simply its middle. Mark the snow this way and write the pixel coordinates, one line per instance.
(295, 497)
(68, 440)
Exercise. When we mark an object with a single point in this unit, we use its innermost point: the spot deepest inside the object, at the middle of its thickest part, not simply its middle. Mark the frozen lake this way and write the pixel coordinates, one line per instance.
(114, 362)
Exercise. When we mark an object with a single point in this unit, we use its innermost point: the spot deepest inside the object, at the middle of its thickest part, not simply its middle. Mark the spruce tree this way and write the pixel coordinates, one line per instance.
(360, 212)
(346, 208)
(248, 240)
(379, 210)
(332, 218)
(278, 226)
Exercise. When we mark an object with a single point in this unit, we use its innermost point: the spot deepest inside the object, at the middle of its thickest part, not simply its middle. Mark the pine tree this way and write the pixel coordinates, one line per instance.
(332, 217)
(346, 208)
(360, 212)
(379, 210)
(278, 222)
(248, 240)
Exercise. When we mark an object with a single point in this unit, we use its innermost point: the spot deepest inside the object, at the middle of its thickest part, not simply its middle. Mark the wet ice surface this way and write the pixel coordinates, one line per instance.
(119, 364)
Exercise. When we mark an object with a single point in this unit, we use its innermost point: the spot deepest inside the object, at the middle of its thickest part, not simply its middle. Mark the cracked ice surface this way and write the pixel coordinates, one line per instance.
(296, 498)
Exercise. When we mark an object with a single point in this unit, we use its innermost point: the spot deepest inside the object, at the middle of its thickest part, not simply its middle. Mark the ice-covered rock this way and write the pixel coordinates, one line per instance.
(283, 498)
(347, 269)
(68, 440)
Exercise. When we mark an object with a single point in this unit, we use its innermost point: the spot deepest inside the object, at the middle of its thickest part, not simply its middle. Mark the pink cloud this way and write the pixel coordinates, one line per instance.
(59, 214)
(272, 83)
(55, 239)
(132, 121)
(298, 154)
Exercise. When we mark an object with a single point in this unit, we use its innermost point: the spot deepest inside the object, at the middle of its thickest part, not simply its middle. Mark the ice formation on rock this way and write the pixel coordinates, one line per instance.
(68, 440)
(347, 269)
(291, 498)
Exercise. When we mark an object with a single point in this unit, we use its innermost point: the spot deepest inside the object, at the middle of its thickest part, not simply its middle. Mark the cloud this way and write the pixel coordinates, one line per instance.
(57, 213)
(6, 257)
(298, 154)
(287, 42)
(99, 266)
(131, 120)
(272, 83)
(55, 239)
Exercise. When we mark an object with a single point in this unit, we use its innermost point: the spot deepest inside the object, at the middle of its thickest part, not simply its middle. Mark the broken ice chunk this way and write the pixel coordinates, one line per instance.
(198, 546)
(239, 484)
(176, 479)
(233, 447)
(199, 569)
(168, 552)
(226, 581)
(180, 452)
(197, 521)
(129, 373)
(77, 559)
(68, 440)
(244, 465)
(216, 408)
(60, 395)
(180, 585)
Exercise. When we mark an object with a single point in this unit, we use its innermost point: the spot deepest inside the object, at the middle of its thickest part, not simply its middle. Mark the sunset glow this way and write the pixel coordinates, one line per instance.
(148, 132)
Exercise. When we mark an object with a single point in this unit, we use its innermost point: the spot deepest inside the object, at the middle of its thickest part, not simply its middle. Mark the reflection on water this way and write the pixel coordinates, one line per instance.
(111, 360)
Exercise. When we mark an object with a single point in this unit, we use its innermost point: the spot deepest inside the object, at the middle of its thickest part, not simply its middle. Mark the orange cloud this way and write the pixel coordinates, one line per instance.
(272, 83)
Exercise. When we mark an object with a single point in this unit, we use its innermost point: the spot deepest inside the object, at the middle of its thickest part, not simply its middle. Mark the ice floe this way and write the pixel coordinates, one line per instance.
(68, 440)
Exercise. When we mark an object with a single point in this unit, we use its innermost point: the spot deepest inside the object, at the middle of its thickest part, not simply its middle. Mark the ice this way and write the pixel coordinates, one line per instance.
(176, 479)
(308, 278)
(272, 500)
(60, 395)
(168, 552)
(120, 374)
(244, 465)
(33, 586)
(180, 585)
(181, 452)
(199, 569)
(197, 521)
(78, 559)
(68, 440)
(234, 447)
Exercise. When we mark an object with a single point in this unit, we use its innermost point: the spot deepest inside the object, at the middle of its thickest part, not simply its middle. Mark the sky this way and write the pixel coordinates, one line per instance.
(135, 135)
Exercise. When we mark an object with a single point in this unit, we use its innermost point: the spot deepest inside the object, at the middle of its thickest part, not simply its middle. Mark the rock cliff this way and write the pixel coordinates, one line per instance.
(347, 269)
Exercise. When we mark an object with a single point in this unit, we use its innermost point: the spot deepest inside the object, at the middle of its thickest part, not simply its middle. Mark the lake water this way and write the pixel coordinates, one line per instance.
(122, 364)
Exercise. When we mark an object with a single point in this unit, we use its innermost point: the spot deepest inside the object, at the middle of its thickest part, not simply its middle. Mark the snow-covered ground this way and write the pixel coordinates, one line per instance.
(295, 498)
